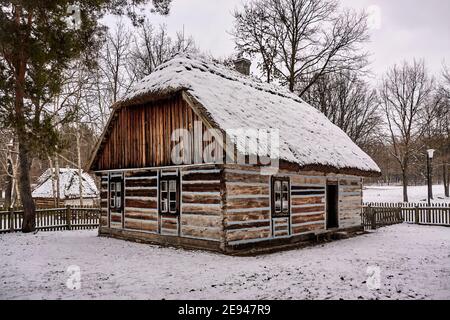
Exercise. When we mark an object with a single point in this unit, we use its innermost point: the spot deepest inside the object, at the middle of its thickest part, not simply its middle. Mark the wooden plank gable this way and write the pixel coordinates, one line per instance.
(141, 136)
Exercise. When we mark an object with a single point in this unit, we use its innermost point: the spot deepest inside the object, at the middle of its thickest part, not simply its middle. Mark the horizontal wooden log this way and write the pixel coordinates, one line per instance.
(141, 193)
(308, 228)
(133, 224)
(201, 221)
(141, 183)
(236, 190)
(296, 219)
(283, 233)
(240, 177)
(202, 176)
(115, 217)
(201, 187)
(213, 209)
(201, 232)
(143, 174)
(281, 228)
(149, 226)
(263, 215)
(116, 225)
(171, 224)
(344, 182)
(141, 216)
(280, 220)
(199, 198)
(248, 225)
(308, 209)
(295, 201)
(148, 204)
(247, 203)
(239, 235)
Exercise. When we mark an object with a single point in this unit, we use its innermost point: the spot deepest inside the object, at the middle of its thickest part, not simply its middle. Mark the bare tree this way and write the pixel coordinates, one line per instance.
(8, 172)
(153, 46)
(311, 38)
(114, 60)
(442, 125)
(253, 35)
(350, 103)
(405, 92)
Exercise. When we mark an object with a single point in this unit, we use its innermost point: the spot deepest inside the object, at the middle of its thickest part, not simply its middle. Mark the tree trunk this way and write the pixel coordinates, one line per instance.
(80, 169)
(9, 183)
(52, 175)
(446, 180)
(57, 176)
(29, 210)
(405, 185)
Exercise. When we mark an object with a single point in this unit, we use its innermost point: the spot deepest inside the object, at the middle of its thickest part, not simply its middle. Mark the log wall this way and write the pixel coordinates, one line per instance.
(200, 203)
(104, 200)
(141, 201)
(350, 201)
(230, 205)
(308, 203)
(247, 216)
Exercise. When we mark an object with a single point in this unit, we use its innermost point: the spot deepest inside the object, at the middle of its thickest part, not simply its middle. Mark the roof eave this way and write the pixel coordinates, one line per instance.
(329, 169)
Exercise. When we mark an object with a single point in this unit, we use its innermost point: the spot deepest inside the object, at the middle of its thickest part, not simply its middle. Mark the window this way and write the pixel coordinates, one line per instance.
(280, 197)
(115, 195)
(169, 195)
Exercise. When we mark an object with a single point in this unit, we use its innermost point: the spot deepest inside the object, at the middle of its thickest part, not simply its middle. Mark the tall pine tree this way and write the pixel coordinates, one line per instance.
(38, 41)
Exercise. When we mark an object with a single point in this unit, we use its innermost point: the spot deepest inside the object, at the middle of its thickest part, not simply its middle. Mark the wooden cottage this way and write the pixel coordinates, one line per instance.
(45, 193)
(202, 196)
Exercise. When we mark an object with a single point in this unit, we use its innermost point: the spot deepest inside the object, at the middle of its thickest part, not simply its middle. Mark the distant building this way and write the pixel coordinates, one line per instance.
(69, 189)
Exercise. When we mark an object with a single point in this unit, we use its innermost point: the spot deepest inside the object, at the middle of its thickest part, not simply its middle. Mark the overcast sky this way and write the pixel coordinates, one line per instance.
(405, 28)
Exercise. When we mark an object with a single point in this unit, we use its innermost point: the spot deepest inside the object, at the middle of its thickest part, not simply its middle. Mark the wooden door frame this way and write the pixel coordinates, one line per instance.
(334, 183)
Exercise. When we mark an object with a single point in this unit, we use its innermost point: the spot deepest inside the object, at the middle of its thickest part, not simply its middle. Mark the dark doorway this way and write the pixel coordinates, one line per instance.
(332, 207)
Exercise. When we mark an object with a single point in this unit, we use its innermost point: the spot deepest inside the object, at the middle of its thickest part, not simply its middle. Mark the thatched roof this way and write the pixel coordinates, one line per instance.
(231, 101)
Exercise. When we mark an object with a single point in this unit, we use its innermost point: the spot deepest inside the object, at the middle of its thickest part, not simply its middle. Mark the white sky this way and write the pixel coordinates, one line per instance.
(408, 29)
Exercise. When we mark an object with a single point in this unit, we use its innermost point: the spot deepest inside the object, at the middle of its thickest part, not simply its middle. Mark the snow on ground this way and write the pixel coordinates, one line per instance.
(394, 194)
(414, 262)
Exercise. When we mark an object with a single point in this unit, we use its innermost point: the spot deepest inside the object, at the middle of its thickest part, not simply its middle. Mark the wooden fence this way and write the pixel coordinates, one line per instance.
(376, 215)
(53, 219)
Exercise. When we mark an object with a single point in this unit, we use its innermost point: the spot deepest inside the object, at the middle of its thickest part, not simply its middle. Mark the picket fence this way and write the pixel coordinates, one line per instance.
(376, 215)
(77, 218)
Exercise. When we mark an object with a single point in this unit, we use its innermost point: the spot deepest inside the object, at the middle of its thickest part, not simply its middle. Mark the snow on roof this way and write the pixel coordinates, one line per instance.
(69, 183)
(233, 101)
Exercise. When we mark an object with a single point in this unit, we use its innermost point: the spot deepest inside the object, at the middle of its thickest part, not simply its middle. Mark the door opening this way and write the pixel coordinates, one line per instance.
(332, 207)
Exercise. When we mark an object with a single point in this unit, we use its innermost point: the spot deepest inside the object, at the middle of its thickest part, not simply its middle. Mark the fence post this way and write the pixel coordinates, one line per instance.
(69, 218)
(399, 214)
(373, 217)
(11, 219)
(416, 214)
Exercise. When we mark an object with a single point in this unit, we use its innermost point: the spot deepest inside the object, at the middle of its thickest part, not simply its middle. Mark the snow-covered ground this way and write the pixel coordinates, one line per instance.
(414, 262)
(394, 194)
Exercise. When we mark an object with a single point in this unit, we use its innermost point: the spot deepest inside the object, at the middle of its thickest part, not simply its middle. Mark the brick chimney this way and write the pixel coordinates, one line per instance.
(242, 65)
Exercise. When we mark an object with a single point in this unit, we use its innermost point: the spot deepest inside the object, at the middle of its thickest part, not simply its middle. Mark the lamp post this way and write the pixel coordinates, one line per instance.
(430, 154)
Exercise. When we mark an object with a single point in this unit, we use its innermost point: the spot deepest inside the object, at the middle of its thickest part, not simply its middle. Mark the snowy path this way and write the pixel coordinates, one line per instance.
(414, 262)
